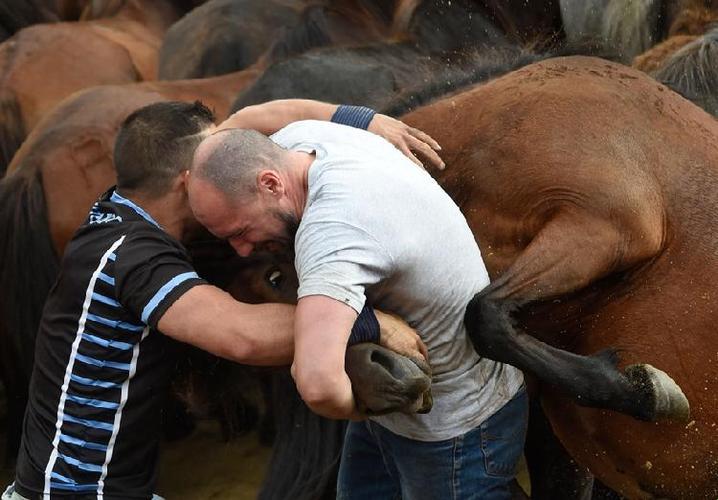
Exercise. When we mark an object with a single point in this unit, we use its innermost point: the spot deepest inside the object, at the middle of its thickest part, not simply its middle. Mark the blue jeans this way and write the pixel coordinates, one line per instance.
(380, 465)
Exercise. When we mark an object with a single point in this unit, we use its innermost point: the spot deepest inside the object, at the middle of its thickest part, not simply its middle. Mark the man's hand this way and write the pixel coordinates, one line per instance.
(397, 336)
(406, 139)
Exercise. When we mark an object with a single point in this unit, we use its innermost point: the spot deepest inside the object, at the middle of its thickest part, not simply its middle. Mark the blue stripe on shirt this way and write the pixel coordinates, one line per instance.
(115, 344)
(80, 465)
(105, 300)
(95, 424)
(163, 292)
(115, 323)
(65, 483)
(97, 403)
(107, 279)
(94, 383)
(102, 363)
(83, 444)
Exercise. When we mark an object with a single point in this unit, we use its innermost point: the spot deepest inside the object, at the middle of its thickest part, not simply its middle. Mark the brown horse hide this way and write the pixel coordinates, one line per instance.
(73, 56)
(593, 191)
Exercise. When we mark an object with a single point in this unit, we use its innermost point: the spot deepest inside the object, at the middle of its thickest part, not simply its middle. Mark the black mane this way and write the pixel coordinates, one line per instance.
(478, 67)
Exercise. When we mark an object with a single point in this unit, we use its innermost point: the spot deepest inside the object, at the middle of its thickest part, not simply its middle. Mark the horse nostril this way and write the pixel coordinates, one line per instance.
(386, 362)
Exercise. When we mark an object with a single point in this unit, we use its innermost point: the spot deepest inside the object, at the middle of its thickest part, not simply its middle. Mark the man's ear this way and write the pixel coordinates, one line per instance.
(180, 182)
(268, 182)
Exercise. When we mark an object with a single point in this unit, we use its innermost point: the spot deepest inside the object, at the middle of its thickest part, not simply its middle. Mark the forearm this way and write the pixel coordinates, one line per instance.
(272, 116)
(322, 330)
(213, 321)
(267, 332)
(337, 402)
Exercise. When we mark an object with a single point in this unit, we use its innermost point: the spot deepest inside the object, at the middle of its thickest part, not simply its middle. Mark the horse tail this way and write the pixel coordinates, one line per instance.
(621, 26)
(307, 449)
(12, 128)
(28, 270)
(693, 72)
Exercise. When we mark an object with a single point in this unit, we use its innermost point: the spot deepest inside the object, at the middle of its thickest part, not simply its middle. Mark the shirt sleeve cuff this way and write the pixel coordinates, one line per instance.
(168, 295)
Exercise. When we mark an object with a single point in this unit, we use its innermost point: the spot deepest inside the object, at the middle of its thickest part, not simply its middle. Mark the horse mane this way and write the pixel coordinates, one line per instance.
(312, 31)
(307, 449)
(471, 69)
(12, 128)
(651, 60)
(29, 268)
(374, 20)
(12, 125)
(693, 72)
(629, 28)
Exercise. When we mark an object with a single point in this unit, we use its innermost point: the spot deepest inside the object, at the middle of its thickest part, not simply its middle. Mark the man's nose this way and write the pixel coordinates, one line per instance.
(243, 248)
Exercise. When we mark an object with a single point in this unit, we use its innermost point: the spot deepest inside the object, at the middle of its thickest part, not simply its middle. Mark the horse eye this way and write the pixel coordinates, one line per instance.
(275, 278)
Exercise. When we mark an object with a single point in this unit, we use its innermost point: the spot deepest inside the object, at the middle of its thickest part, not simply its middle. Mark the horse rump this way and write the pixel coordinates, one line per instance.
(12, 128)
(29, 267)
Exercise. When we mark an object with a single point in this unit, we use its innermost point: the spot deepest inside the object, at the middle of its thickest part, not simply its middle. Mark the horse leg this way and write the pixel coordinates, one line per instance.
(571, 251)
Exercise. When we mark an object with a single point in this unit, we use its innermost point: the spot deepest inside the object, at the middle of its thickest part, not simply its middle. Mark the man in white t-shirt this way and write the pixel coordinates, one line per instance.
(367, 223)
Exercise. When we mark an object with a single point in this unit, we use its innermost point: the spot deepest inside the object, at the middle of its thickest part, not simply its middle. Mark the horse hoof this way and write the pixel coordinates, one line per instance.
(665, 398)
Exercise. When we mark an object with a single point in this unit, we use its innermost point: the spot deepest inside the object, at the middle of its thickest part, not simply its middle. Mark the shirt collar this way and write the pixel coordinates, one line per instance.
(118, 198)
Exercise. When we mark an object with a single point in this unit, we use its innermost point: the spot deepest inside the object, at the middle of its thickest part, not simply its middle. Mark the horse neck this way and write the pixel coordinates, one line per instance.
(217, 92)
(155, 15)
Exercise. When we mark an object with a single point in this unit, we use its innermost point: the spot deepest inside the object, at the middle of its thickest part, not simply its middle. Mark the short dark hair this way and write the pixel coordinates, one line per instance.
(156, 143)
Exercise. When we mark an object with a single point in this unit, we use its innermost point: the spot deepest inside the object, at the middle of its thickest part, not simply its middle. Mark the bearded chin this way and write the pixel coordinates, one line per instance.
(291, 226)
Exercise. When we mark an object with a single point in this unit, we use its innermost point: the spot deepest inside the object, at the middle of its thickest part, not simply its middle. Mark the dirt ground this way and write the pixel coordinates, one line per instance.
(202, 466)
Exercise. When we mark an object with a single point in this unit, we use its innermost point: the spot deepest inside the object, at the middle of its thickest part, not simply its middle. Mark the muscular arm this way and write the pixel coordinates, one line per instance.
(321, 331)
(212, 320)
(271, 116)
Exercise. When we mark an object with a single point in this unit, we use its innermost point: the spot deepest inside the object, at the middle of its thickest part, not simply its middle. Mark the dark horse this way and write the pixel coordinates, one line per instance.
(223, 36)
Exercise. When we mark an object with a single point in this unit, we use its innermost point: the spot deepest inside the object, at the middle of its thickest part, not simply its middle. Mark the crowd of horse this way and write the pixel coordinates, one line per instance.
(591, 187)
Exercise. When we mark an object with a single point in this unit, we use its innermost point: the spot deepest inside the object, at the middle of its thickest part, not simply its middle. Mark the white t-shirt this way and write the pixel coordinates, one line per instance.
(377, 226)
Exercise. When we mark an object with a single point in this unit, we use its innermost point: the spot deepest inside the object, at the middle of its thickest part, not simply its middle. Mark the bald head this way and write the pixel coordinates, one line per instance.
(231, 159)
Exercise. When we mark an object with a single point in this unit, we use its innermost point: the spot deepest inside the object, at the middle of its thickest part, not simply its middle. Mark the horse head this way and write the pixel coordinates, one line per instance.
(383, 381)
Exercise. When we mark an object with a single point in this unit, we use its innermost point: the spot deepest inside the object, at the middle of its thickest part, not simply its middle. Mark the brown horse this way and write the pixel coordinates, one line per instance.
(592, 191)
(580, 179)
(72, 56)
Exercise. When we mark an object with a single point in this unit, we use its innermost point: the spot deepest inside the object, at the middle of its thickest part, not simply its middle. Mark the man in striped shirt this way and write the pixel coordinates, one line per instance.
(126, 286)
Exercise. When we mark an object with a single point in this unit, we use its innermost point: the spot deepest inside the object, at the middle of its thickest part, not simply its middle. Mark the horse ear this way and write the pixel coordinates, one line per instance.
(93, 157)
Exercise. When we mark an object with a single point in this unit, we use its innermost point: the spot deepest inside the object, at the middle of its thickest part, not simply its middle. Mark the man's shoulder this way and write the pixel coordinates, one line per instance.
(318, 132)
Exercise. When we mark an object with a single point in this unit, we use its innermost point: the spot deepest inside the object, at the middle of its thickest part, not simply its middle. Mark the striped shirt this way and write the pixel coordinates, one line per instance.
(101, 368)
